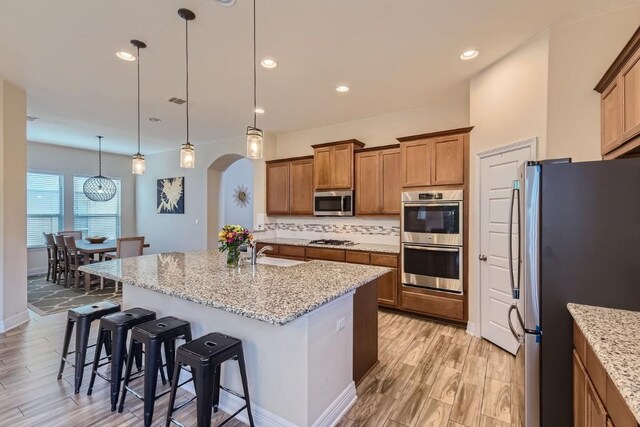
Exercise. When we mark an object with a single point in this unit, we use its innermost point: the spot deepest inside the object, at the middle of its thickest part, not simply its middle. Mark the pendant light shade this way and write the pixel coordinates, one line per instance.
(255, 136)
(99, 188)
(187, 150)
(138, 166)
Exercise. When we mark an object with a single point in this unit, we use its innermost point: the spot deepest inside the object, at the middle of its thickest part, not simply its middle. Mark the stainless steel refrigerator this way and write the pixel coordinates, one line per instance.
(576, 229)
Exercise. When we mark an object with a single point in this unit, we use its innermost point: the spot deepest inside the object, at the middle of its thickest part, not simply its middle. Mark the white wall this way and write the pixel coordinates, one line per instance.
(579, 54)
(13, 235)
(240, 173)
(379, 130)
(73, 161)
(508, 103)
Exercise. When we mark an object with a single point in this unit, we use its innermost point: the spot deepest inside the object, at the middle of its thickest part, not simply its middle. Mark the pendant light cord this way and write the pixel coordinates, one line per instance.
(99, 156)
(255, 105)
(138, 48)
(186, 30)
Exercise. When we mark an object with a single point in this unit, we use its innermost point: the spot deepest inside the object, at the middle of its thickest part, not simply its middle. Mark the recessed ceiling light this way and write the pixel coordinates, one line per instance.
(125, 56)
(259, 110)
(269, 63)
(226, 3)
(154, 119)
(469, 54)
(342, 89)
(32, 118)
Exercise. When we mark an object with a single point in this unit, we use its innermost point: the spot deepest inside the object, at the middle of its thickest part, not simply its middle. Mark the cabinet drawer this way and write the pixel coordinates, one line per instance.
(579, 343)
(597, 373)
(325, 254)
(357, 257)
(433, 305)
(384, 260)
(291, 251)
(274, 251)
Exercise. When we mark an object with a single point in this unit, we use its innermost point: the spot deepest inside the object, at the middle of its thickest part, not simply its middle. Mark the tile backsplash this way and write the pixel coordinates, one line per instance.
(385, 231)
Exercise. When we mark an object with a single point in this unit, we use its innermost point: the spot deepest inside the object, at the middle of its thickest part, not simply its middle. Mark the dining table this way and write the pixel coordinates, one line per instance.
(89, 250)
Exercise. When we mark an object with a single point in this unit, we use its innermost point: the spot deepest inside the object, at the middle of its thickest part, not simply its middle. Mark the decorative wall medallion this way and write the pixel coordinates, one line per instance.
(241, 196)
(171, 195)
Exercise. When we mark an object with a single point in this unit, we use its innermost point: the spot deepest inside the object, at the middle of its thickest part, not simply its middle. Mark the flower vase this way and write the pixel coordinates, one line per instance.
(233, 256)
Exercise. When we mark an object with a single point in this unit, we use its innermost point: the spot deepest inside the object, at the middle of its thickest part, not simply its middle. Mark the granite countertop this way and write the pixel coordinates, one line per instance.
(614, 336)
(269, 293)
(362, 247)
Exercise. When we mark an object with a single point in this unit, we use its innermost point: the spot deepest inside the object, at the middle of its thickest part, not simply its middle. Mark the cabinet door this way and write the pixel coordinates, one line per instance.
(611, 117)
(323, 168)
(390, 165)
(368, 190)
(579, 391)
(388, 289)
(630, 77)
(448, 160)
(278, 188)
(301, 186)
(416, 163)
(343, 167)
(596, 414)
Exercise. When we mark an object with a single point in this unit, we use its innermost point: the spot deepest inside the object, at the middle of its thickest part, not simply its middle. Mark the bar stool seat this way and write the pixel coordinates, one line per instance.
(83, 317)
(205, 356)
(152, 336)
(118, 326)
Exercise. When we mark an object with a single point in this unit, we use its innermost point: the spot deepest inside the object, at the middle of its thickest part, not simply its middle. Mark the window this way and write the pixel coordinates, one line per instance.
(95, 218)
(44, 207)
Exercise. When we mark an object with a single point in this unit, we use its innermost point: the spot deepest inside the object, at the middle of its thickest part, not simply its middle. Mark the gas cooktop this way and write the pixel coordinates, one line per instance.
(332, 242)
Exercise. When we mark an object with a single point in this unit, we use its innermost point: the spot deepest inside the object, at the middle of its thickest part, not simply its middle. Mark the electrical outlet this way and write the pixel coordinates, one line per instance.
(340, 324)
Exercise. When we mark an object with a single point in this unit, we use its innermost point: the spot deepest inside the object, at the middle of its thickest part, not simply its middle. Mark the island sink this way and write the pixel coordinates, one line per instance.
(279, 262)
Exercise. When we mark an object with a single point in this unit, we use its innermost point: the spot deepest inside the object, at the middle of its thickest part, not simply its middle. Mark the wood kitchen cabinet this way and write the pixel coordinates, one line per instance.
(333, 165)
(620, 103)
(434, 159)
(290, 186)
(377, 186)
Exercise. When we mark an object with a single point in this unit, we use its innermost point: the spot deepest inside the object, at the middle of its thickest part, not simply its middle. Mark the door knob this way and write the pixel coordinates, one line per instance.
(482, 257)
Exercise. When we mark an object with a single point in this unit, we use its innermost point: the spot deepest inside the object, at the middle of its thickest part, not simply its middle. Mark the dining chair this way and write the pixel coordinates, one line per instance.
(52, 260)
(62, 259)
(74, 259)
(126, 247)
(77, 234)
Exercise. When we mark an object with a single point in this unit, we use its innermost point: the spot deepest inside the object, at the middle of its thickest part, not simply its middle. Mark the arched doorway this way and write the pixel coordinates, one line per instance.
(228, 177)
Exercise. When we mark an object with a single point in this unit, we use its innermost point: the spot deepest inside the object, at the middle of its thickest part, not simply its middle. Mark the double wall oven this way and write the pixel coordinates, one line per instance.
(432, 238)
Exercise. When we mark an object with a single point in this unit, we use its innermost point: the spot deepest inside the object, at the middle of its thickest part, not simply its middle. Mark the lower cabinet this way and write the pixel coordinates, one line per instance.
(433, 303)
(596, 400)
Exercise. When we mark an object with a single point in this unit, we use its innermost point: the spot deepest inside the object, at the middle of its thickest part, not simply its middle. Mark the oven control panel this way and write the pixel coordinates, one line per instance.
(430, 196)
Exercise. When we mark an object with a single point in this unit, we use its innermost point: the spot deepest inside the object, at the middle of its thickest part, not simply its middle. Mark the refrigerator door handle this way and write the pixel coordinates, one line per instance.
(515, 281)
(519, 337)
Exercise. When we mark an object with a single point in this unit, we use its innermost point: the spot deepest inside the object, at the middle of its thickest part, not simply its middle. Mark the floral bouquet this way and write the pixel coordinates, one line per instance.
(230, 238)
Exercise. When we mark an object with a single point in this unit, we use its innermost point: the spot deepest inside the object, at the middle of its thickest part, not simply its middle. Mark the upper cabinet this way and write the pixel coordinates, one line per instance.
(434, 159)
(620, 103)
(290, 186)
(333, 165)
(377, 186)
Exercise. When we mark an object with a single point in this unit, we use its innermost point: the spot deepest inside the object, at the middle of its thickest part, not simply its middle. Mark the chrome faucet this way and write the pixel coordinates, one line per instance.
(257, 254)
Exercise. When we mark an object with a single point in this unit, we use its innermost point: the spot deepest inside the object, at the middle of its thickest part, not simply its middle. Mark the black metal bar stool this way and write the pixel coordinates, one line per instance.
(153, 335)
(83, 317)
(205, 356)
(118, 325)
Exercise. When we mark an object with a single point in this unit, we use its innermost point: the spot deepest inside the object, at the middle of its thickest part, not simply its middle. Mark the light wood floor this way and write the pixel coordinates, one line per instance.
(429, 375)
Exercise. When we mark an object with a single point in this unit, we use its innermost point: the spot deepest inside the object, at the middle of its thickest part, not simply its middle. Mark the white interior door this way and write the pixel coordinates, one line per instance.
(497, 174)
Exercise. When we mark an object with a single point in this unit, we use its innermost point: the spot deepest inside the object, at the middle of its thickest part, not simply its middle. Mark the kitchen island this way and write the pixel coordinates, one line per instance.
(309, 330)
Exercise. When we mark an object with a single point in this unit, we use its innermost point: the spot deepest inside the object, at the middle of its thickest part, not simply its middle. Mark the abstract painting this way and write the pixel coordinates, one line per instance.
(171, 195)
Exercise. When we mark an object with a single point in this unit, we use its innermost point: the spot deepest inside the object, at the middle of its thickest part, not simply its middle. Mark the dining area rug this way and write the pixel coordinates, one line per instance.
(47, 298)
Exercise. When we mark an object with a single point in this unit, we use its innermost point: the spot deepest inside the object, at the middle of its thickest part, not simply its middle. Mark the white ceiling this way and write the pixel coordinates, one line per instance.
(395, 55)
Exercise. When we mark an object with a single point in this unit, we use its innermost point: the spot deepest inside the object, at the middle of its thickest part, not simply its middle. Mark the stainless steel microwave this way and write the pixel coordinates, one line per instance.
(333, 203)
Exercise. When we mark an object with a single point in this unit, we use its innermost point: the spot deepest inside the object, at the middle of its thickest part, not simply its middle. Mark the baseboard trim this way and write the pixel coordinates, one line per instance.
(230, 403)
(473, 329)
(13, 321)
(338, 409)
(37, 271)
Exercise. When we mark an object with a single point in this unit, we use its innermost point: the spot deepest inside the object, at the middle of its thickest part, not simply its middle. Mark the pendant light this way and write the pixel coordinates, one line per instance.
(138, 166)
(255, 136)
(99, 188)
(187, 150)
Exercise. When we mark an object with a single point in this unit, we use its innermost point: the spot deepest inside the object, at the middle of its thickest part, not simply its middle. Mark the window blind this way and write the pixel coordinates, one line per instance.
(44, 206)
(95, 218)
